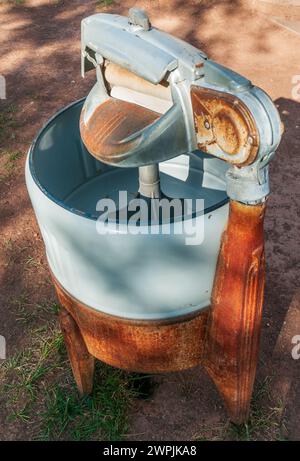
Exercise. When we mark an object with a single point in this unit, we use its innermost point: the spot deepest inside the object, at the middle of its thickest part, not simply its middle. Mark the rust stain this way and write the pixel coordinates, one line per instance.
(226, 132)
(105, 135)
(225, 128)
(82, 362)
(232, 345)
(136, 345)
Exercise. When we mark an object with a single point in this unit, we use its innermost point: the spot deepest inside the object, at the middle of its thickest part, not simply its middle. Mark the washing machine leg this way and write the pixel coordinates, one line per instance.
(82, 362)
(234, 325)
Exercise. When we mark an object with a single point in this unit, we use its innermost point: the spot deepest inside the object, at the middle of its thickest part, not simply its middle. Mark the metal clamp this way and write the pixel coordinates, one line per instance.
(139, 17)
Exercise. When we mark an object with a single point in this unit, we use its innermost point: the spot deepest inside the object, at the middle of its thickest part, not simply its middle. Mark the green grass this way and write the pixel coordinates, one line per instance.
(11, 157)
(32, 262)
(8, 133)
(265, 416)
(16, 2)
(40, 391)
(104, 412)
(7, 121)
(101, 3)
(28, 312)
(9, 163)
(265, 420)
(26, 369)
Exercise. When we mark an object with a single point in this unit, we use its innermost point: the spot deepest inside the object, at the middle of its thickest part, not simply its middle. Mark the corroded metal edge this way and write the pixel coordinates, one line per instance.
(138, 345)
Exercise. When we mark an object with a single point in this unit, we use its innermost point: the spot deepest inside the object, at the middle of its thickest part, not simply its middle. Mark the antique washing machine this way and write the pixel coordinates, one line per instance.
(162, 122)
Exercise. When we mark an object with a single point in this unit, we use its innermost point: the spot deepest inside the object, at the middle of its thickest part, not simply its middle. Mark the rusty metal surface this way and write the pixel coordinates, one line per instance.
(224, 126)
(135, 345)
(235, 315)
(82, 362)
(107, 131)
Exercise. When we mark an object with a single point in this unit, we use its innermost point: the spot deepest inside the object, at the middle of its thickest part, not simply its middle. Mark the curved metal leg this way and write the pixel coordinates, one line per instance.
(234, 325)
(82, 362)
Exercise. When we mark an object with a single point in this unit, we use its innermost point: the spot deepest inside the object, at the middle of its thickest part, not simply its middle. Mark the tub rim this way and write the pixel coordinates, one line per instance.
(76, 211)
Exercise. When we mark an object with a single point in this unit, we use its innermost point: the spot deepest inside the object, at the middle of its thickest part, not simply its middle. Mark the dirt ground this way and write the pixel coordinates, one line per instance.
(40, 59)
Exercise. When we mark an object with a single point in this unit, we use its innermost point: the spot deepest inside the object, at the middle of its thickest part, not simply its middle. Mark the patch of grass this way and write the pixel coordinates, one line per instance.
(215, 433)
(40, 392)
(264, 421)
(32, 262)
(9, 162)
(7, 121)
(101, 3)
(28, 312)
(25, 371)
(21, 414)
(16, 2)
(105, 411)
(8, 244)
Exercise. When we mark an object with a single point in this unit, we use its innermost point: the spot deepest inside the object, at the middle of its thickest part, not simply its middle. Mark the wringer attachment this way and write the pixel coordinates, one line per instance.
(157, 97)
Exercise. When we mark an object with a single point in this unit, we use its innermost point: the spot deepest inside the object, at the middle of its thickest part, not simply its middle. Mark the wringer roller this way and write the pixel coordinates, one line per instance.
(161, 122)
